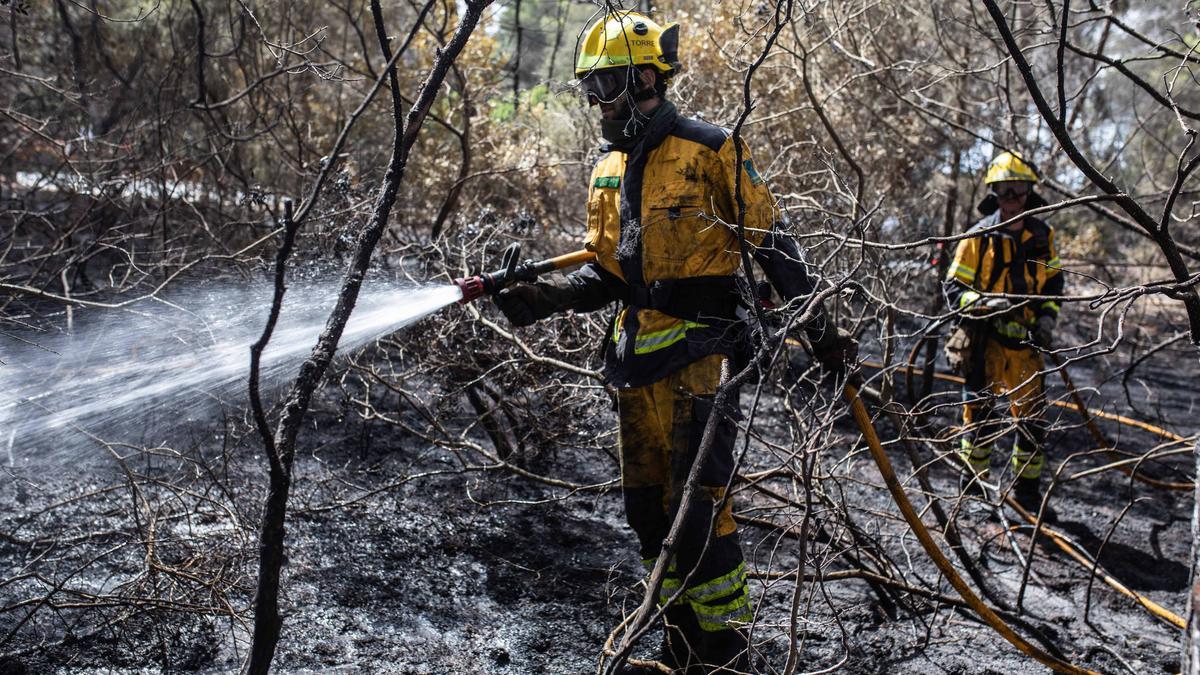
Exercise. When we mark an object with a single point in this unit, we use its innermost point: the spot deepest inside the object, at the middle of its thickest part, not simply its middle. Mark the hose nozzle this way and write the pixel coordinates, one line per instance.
(510, 272)
(472, 288)
(491, 283)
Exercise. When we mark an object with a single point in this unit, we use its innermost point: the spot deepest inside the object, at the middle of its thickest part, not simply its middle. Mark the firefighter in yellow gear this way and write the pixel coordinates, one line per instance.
(661, 217)
(1008, 333)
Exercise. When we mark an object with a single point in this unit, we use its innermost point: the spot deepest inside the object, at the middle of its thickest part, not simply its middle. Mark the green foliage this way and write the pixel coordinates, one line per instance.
(503, 110)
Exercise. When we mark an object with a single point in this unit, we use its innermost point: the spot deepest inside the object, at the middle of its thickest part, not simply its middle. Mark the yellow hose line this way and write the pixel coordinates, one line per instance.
(931, 548)
(1088, 418)
(1102, 440)
(1077, 407)
(1070, 549)
(1122, 420)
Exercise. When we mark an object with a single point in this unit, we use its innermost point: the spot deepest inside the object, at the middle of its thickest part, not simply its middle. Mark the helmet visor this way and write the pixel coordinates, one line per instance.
(604, 86)
(1011, 189)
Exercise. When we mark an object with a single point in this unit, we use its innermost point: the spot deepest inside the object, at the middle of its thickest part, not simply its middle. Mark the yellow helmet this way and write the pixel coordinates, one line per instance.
(1009, 166)
(622, 39)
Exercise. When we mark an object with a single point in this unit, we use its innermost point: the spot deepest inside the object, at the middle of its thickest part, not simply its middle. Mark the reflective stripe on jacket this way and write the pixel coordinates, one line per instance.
(1021, 263)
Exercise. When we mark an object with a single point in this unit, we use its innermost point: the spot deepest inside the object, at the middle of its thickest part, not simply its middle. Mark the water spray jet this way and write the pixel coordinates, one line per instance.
(158, 374)
(146, 376)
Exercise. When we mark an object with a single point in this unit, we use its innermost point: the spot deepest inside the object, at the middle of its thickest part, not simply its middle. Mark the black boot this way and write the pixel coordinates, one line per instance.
(681, 638)
(971, 485)
(725, 651)
(11, 666)
(1028, 493)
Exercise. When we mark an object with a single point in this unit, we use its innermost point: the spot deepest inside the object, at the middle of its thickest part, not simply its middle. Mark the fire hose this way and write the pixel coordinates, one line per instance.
(863, 419)
(1089, 416)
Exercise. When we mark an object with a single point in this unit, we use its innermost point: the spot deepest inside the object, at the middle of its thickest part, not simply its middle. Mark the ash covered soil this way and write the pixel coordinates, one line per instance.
(398, 562)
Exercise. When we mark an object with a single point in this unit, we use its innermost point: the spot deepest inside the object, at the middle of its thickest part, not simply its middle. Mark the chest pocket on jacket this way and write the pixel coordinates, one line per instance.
(673, 227)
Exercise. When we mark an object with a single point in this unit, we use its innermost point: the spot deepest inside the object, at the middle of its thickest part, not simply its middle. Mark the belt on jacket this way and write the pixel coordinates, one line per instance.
(701, 299)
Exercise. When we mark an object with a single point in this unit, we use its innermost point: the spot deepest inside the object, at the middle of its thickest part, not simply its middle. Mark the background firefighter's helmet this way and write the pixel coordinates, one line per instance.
(623, 39)
(1009, 166)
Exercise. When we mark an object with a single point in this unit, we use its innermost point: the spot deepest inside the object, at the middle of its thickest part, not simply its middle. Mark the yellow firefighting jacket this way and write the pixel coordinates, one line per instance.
(1022, 263)
(662, 222)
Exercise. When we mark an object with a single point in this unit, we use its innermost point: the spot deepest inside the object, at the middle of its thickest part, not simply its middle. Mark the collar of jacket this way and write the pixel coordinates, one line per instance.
(1031, 224)
(654, 130)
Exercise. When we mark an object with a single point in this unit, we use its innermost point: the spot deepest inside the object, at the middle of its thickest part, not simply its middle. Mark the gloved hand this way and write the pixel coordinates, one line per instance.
(1043, 332)
(523, 304)
(836, 352)
(992, 307)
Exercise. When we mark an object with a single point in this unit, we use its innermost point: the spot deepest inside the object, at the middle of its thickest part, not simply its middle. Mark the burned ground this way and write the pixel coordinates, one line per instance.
(399, 560)
(453, 506)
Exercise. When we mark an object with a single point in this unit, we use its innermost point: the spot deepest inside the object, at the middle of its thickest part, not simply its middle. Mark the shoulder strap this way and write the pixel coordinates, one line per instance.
(984, 242)
(1037, 250)
(997, 265)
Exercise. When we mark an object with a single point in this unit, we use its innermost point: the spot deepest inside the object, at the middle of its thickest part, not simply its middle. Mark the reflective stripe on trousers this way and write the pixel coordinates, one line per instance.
(1012, 373)
(719, 604)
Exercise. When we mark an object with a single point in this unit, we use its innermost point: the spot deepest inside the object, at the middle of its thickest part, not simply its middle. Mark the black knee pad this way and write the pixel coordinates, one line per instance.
(700, 551)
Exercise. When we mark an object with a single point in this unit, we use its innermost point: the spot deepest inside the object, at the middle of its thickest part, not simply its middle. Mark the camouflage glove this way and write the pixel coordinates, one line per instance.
(1043, 332)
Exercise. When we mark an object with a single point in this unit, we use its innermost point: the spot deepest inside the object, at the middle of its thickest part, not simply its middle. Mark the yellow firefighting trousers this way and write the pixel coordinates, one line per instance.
(660, 430)
(1014, 373)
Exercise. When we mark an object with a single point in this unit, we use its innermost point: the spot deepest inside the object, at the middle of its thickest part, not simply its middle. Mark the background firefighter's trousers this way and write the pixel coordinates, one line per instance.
(1011, 372)
(660, 430)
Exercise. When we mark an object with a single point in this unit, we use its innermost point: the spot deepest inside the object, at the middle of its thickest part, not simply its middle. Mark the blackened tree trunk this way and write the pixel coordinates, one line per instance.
(268, 623)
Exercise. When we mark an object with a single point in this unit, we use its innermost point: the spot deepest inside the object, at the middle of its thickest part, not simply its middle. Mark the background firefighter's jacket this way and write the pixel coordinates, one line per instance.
(1020, 263)
(662, 222)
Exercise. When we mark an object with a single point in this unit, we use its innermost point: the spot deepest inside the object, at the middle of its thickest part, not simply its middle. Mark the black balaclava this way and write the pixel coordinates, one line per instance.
(624, 132)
